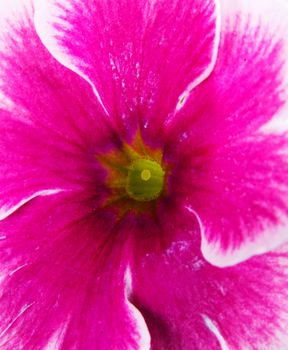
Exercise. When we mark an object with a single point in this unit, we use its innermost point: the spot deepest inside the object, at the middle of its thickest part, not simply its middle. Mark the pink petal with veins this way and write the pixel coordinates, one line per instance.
(233, 170)
(138, 55)
(64, 271)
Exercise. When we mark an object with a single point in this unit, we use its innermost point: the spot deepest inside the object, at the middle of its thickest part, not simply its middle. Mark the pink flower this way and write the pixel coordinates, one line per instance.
(144, 175)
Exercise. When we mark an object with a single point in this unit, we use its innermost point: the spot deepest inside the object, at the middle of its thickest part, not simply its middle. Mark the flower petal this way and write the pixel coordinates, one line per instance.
(139, 55)
(190, 304)
(63, 271)
(230, 169)
(51, 125)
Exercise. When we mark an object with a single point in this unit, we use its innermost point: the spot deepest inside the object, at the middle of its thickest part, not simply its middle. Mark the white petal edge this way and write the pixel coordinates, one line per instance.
(144, 341)
(10, 11)
(145, 338)
(7, 210)
(215, 255)
(185, 95)
(12, 8)
(275, 14)
(212, 327)
(43, 20)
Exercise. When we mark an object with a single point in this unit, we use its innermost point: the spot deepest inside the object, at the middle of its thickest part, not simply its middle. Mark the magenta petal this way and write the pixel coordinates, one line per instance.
(62, 274)
(233, 170)
(138, 55)
(189, 304)
(239, 193)
(50, 122)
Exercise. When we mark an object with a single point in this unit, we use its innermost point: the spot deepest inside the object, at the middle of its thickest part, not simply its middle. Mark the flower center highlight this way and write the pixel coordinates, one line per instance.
(145, 180)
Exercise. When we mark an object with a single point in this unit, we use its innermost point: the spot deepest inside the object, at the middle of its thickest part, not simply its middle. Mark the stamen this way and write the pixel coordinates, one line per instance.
(146, 175)
(145, 180)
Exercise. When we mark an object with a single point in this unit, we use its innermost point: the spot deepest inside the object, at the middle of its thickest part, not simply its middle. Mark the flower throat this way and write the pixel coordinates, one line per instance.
(136, 175)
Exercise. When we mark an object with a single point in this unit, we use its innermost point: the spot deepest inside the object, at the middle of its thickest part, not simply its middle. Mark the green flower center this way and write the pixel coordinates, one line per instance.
(145, 180)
